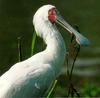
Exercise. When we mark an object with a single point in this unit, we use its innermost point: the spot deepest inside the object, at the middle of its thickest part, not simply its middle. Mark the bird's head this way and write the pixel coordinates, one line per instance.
(50, 15)
(44, 13)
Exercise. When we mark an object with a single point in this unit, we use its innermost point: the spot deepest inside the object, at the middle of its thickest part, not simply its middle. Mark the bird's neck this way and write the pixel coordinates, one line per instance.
(55, 50)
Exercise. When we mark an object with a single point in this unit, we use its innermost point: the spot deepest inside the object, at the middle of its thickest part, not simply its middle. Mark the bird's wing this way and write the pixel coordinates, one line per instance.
(26, 82)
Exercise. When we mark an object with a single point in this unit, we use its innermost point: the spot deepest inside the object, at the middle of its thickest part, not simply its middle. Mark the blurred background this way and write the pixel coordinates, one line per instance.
(16, 20)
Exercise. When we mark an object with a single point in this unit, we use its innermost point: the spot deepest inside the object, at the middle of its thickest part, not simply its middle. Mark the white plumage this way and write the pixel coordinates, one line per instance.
(32, 77)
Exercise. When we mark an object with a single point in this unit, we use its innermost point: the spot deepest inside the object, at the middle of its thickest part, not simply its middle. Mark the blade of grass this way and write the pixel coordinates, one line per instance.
(52, 88)
(33, 42)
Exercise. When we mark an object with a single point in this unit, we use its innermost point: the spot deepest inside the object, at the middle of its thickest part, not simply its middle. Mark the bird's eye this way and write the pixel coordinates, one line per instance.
(52, 15)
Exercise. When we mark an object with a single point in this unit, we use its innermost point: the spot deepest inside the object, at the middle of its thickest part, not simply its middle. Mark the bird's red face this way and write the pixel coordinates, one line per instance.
(52, 15)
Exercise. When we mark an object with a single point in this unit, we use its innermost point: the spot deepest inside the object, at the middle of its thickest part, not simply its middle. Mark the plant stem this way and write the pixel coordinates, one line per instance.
(78, 49)
(71, 89)
(19, 49)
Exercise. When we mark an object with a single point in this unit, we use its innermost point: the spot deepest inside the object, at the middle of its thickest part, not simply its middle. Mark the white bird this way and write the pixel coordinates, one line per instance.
(33, 77)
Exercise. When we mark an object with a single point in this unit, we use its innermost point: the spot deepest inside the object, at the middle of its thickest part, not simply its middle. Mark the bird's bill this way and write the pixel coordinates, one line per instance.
(80, 39)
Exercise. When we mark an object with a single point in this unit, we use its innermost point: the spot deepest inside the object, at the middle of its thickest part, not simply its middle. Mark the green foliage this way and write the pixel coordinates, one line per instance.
(33, 42)
(90, 90)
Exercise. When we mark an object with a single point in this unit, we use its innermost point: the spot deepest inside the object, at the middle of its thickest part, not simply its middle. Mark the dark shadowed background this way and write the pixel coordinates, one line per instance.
(16, 20)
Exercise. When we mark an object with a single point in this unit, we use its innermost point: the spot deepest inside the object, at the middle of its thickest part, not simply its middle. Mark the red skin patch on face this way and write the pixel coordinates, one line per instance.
(52, 15)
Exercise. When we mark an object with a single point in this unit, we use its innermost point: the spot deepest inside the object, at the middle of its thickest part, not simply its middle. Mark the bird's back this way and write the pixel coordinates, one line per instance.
(26, 82)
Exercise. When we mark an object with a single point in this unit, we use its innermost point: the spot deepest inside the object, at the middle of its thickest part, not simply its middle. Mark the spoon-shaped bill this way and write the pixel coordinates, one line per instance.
(80, 39)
